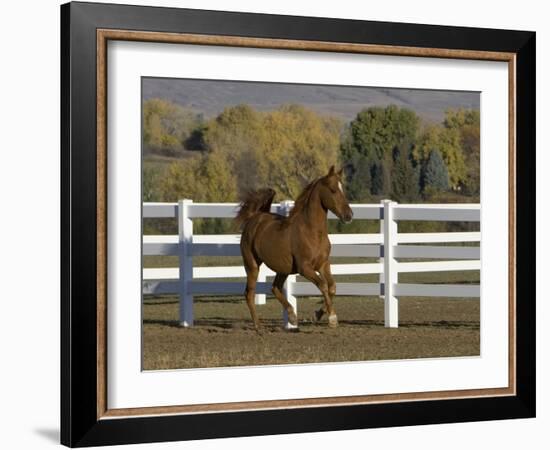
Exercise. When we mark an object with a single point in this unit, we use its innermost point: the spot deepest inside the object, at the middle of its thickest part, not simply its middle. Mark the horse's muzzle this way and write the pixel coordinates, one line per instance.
(347, 217)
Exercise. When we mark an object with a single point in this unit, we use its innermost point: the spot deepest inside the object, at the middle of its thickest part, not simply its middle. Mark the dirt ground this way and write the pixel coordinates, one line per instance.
(223, 334)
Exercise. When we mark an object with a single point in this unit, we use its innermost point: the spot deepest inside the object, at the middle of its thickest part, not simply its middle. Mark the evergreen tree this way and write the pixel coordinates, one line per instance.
(434, 173)
(358, 178)
(381, 176)
(447, 141)
(370, 139)
(404, 177)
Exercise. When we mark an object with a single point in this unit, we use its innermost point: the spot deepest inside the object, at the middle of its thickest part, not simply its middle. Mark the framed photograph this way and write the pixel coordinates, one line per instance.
(277, 224)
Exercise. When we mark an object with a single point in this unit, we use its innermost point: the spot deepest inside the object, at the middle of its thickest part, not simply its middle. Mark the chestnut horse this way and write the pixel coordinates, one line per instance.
(295, 244)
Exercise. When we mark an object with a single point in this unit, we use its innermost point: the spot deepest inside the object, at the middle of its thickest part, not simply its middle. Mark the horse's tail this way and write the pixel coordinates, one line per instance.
(253, 203)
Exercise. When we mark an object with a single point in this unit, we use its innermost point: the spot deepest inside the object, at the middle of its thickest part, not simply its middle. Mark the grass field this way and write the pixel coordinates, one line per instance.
(223, 334)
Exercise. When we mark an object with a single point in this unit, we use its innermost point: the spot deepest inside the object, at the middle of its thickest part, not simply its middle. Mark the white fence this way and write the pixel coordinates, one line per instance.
(387, 246)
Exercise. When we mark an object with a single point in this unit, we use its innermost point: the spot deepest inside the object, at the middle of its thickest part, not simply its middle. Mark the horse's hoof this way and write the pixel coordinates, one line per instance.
(333, 321)
(292, 318)
(318, 315)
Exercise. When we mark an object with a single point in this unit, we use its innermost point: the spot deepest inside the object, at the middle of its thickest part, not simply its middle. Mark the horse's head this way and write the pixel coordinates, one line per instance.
(332, 195)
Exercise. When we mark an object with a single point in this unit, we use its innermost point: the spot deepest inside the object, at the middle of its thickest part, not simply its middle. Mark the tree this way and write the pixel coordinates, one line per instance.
(467, 122)
(204, 178)
(235, 130)
(381, 176)
(151, 178)
(167, 126)
(371, 138)
(283, 149)
(434, 173)
(358, 174)
(216, 182)
(377, 131)
(180, 180)
(300, 145)
(448, 142)
(459, 118)
(404, 177)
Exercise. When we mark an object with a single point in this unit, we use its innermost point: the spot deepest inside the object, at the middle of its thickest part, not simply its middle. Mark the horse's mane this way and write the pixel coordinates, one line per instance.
(303, 199)
(260, 201)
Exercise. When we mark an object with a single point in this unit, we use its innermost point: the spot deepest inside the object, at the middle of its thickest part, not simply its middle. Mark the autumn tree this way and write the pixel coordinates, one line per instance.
(204, 178)
(283, 149)
(300, 145)
(167, 126)
(457, 139)
(151, 177)
(461, 117)
(448, 142)
(467, 122)
(234, 131)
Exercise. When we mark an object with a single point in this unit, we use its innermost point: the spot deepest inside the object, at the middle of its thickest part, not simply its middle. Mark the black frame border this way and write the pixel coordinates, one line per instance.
(79, 423)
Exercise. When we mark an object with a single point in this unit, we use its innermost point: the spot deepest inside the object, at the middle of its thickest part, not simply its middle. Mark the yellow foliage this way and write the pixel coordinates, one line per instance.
(283, 149)
(166, 125)
(203, 178)
(448, 142)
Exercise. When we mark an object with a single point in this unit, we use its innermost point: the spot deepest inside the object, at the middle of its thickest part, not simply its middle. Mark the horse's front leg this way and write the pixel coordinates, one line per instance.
(328, 307)
(321, 281)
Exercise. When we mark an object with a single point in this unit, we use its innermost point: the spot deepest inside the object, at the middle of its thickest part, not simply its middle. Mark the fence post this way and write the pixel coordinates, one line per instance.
(284, 209)
(391, 304)
(259, 299)
(185, 231)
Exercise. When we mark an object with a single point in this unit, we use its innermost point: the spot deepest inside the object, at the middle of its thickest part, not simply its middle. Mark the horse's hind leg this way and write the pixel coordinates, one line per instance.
(252, 269)
(277, 290)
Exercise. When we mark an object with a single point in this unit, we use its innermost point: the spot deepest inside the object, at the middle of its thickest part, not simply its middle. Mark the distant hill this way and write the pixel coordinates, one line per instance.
(211, 97)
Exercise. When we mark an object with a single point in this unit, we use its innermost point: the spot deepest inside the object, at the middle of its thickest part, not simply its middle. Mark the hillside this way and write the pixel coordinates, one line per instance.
(211, 97)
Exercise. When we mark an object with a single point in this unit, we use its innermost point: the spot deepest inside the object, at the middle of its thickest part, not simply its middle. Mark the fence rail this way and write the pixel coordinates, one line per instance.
(389, 248)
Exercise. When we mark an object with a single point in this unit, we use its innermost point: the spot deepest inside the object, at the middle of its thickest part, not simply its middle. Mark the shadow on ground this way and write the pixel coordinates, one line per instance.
(49, 434)
(222, 323)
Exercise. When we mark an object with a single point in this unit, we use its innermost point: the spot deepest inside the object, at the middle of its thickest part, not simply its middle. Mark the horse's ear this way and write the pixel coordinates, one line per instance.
(331, 171)
(340, 172)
